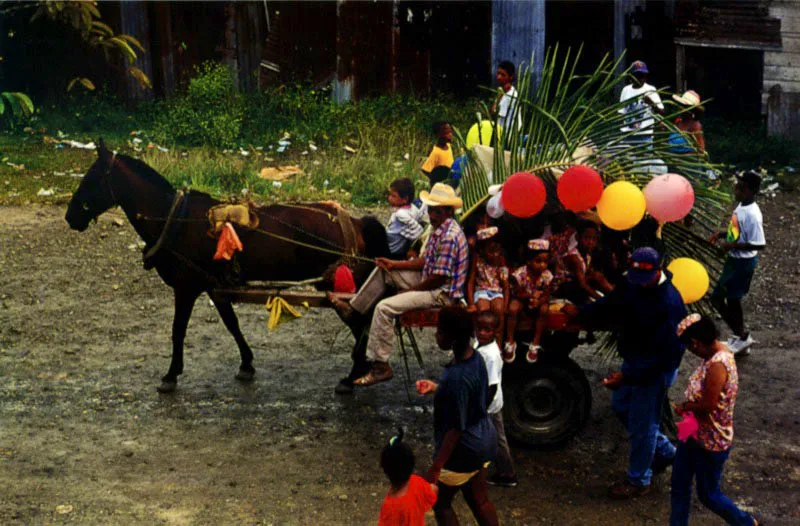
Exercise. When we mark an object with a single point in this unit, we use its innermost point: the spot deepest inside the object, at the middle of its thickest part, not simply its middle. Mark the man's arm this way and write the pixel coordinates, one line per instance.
(410, 264)
(432, 282)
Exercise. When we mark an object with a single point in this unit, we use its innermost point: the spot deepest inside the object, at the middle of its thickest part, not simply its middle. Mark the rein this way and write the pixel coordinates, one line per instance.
(339, 253)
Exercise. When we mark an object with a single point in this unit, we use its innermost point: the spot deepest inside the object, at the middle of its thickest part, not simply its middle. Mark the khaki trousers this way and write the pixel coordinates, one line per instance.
(381, 333)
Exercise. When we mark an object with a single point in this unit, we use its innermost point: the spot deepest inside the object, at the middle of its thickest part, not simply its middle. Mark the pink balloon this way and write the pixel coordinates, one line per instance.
(669, 197)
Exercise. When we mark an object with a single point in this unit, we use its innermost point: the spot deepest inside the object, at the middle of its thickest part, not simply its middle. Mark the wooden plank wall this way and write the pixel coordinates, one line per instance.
(782, 69)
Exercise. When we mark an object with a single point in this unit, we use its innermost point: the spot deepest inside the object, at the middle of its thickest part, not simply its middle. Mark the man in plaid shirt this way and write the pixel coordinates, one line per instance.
(435, 279)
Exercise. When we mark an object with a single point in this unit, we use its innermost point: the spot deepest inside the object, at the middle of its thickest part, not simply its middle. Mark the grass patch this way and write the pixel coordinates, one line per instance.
(349, 152)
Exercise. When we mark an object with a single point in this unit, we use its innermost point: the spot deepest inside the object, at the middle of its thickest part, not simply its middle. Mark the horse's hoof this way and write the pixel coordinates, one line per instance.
(344, 387)
(245, 376)
(167, 387)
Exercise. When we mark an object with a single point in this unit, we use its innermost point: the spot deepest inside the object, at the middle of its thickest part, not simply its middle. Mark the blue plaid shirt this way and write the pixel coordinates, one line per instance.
(447, 254)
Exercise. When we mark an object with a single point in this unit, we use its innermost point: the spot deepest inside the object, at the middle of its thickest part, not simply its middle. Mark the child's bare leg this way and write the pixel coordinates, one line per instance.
(498, 307)
(541, 323)
(483, 305)
(514, 308)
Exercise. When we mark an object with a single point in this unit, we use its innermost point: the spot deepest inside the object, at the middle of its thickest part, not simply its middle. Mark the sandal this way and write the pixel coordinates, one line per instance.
(509, 352)
(378, 373)
(533, 353)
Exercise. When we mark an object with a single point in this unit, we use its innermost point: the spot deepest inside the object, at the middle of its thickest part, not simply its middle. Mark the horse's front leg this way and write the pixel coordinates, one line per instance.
(184, 303)
(226, 312)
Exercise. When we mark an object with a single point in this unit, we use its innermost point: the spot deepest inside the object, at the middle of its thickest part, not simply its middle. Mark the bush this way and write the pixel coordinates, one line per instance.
(209, 113)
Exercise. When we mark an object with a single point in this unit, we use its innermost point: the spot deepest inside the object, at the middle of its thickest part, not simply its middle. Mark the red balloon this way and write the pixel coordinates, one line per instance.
(524, 195)
(580, 188)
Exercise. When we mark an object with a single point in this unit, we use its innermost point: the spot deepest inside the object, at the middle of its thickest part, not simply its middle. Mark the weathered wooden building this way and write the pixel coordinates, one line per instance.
(745, 54)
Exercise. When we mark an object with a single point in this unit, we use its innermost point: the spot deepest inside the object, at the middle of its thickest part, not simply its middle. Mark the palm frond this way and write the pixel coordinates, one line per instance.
(577, 119)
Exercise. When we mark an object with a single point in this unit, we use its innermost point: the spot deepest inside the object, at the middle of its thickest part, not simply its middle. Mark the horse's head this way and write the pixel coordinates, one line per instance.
(94, 195)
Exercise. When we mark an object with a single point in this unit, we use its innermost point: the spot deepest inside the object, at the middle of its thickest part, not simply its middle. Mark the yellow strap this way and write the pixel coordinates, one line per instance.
(276, 307)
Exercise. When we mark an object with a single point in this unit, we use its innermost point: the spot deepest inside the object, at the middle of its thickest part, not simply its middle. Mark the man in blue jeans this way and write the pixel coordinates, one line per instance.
(645, 311)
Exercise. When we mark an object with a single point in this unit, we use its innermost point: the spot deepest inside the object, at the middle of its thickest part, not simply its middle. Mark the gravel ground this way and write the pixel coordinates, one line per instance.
(85, 438)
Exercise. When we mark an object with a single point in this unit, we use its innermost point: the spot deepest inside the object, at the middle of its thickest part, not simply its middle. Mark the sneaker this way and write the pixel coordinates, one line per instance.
(533, 353)
(505, 481)
(509, 352)
(740, 346)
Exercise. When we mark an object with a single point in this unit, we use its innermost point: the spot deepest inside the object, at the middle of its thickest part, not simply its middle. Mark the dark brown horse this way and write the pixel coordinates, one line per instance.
(184, 260)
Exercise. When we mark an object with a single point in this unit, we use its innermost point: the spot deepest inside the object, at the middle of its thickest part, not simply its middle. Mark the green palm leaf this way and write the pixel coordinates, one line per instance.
(568, 111)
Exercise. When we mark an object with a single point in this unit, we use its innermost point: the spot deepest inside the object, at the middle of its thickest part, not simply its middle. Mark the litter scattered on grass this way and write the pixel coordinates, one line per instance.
(45, 193)
(348, 149)
(279, 173)
(312, 147)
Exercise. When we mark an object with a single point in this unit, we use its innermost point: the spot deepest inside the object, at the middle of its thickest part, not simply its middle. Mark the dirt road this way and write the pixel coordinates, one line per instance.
(85, 438)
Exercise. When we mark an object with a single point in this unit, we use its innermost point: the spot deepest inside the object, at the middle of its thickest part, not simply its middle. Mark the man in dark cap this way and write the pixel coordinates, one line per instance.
(645, 311)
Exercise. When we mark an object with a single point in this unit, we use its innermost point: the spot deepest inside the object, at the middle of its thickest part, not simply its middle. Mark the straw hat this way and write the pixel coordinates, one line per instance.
(689, 98)
(441, 195)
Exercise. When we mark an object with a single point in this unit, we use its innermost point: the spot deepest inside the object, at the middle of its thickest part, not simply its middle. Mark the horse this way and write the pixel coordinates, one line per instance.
(182, 252)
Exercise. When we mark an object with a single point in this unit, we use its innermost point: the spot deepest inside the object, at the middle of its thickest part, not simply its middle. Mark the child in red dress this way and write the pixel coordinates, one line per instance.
(410, 496)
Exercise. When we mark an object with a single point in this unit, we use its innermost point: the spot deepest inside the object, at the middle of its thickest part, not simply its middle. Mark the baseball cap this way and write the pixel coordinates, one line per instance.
(751, 179)
(639, 67)
(643, 266)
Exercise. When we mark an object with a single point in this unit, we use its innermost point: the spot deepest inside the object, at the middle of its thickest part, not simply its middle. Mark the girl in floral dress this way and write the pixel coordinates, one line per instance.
(488, 285)
(711, 397)
(531, 291)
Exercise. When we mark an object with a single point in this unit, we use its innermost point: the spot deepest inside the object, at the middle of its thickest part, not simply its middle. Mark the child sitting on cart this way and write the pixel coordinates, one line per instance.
(578, 280)
(488, 284)
(532, 283)
(407, 222)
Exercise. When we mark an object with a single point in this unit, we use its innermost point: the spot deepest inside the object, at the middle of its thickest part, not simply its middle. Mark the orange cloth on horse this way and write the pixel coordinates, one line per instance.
(228, 243)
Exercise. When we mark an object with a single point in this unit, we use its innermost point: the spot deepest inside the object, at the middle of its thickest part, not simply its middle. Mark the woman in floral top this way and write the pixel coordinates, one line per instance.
(487, 285)
(711, 396)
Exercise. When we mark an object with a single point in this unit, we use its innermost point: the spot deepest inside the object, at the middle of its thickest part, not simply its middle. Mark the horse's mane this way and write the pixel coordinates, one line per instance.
(146, 172)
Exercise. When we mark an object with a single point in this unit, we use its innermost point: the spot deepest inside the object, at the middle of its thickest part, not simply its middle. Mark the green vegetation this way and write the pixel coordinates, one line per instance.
(218, 140)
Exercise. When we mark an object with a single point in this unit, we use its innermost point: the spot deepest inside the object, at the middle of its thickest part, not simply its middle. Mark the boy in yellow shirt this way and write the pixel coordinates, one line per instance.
(437, 166)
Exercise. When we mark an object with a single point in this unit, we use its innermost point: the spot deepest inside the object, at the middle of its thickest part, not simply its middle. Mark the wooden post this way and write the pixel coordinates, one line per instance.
(518, 33)
(680, 68)
(163, 23)
(135, 22)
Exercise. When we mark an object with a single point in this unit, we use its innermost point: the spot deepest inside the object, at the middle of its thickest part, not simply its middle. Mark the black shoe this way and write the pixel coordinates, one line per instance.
(660, 464)
(504, 481)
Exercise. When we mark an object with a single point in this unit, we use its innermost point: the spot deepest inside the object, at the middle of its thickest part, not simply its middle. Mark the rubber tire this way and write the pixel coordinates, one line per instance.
(545, 403)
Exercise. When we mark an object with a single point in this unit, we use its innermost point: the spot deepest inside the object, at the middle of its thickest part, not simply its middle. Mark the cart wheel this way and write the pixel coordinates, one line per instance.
(546, 403)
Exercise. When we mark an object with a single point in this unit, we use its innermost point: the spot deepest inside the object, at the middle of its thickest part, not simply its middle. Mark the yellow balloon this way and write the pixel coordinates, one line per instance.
(485, 135)
(621, 206)
(690, 278)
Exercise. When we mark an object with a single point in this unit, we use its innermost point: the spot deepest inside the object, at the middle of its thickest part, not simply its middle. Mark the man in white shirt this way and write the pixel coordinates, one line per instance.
(506, 107)
(643, 102)
(485, 328)
(743, 240)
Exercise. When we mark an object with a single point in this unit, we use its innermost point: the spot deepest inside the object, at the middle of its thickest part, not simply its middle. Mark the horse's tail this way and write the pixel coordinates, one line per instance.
(376, 243)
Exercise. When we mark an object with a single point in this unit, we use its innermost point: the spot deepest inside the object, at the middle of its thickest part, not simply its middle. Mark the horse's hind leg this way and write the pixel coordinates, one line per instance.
(184, 304)
(226, 312)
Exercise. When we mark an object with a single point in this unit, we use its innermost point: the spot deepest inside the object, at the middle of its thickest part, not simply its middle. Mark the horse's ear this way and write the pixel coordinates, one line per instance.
(102, 151)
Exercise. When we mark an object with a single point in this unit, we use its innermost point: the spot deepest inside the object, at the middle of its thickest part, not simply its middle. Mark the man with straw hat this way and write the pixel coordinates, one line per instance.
(434, 279)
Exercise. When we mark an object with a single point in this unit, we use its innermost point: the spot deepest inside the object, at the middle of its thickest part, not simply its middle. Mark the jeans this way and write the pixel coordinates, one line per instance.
(692, 461)
(639, 409)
